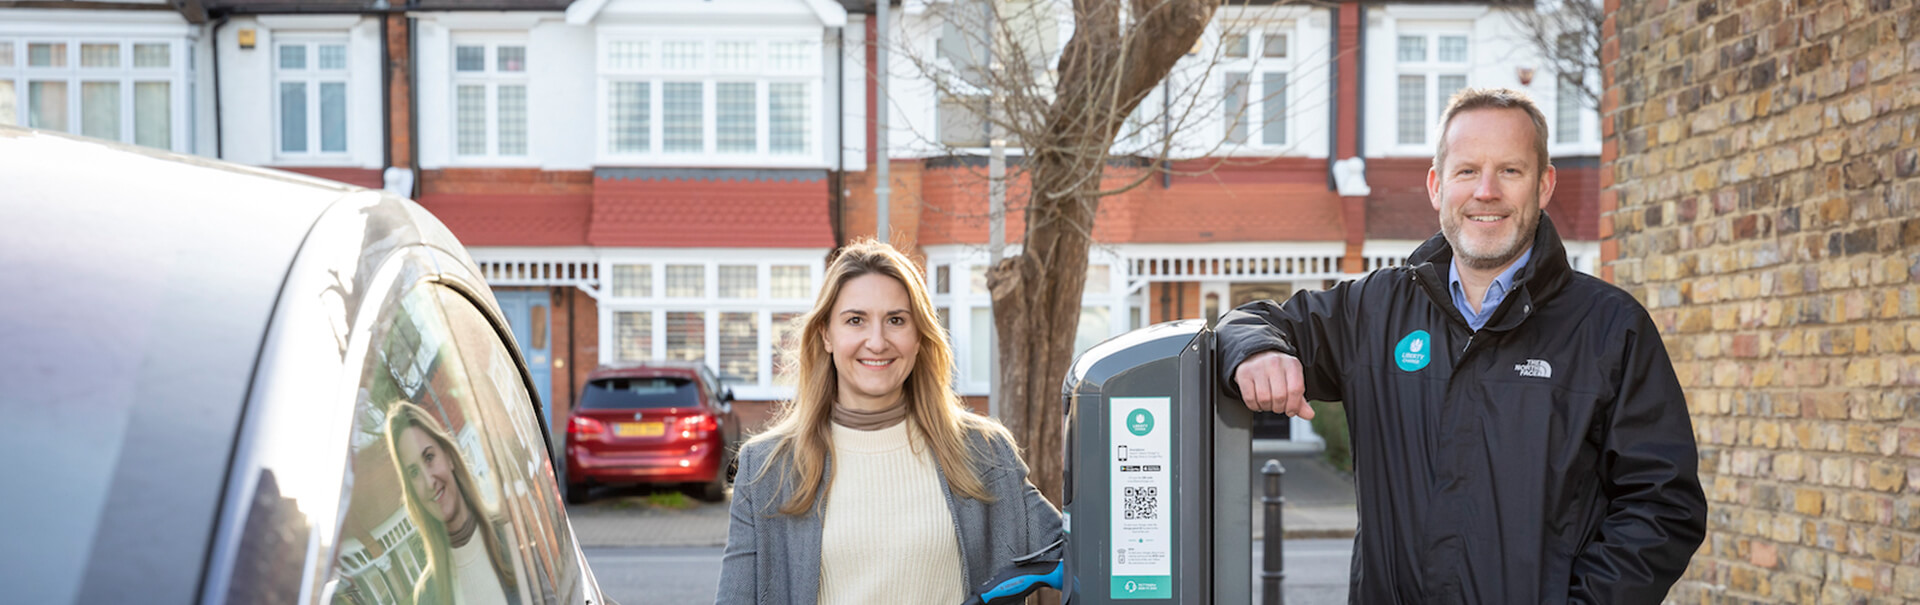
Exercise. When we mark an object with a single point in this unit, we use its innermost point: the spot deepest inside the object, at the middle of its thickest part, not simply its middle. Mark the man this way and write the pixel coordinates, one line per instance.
(1519, 434)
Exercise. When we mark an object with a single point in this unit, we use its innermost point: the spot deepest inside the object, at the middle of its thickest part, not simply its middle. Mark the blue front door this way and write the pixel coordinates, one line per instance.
(528, 313)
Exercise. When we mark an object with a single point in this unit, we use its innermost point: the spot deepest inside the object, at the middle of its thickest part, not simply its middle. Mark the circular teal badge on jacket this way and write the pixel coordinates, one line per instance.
(1413, 352)
(1140, 422)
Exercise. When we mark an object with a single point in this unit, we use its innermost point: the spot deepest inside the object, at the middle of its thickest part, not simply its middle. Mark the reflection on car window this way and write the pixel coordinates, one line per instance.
(713, 382)
(428, 519)
(634, 393)
(513, 428)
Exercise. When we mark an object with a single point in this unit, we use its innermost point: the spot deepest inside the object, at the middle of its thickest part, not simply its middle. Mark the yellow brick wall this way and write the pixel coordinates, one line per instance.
(1762, 202)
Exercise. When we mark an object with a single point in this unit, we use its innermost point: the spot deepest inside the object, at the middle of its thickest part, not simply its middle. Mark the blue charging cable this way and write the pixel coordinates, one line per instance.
(1028, 574)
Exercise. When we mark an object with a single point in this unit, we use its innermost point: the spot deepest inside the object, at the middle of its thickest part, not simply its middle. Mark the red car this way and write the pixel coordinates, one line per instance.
(654, 422)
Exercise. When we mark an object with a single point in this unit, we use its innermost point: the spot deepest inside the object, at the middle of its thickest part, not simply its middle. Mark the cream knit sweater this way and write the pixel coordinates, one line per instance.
(887, 534)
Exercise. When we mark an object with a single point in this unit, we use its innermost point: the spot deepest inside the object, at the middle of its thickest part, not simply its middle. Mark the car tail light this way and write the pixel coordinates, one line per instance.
(698, 425)
(582, 425)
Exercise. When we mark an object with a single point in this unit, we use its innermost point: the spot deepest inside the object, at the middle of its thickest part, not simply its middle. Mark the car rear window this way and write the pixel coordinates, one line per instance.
(629, 393)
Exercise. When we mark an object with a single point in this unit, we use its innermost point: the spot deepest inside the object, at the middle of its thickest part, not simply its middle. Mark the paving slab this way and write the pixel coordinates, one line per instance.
(627, 518)
(1319, 504)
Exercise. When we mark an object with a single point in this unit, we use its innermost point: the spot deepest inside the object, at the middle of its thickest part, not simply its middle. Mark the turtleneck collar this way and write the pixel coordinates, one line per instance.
(870, 421)
(459, 537)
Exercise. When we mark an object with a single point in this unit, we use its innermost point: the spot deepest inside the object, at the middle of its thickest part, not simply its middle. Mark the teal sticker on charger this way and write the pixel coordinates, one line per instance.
(1140, 422)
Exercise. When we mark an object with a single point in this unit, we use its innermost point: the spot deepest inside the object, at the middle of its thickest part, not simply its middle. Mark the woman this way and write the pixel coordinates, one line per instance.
(877, 485)
(468, 559)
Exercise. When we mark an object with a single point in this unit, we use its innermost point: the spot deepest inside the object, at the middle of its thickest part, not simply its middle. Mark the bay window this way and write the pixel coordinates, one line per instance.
(959, 292)
(310, 97)
(1430, 67)
(1255, 62)
(490, 98)
(738, 316)
(721, 99)
(126, 90)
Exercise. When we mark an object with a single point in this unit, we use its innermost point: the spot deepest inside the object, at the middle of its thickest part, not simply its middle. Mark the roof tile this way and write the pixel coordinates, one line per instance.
(512, 219)
(697, 213)
(1191, 211)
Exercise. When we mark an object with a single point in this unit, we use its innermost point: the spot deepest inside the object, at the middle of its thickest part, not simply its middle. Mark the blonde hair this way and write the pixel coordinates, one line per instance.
(1494, 98)
(802, 432)
(438, 576)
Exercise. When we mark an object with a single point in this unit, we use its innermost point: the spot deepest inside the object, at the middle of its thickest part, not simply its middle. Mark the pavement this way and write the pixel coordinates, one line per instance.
(1319, 505)
(628, 517)
(1316, 572)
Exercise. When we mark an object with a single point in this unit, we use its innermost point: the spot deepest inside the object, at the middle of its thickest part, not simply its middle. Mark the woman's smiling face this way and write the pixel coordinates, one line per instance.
(430, 475)
(873, 341)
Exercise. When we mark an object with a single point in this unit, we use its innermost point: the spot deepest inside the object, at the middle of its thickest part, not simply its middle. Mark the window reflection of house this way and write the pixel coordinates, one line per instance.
(382, 572)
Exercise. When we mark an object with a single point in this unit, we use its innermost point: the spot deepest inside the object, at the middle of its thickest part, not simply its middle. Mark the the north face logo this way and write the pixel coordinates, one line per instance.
(1534, 368)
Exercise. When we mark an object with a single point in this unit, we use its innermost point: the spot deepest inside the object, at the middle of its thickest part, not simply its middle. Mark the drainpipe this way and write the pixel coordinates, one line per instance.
(219, 139)
(1360, 86)
(386, 96)
(413, 103)
(839, 181)
(882, 189)
(573, 390)
(1333, 98)
(1166, 130)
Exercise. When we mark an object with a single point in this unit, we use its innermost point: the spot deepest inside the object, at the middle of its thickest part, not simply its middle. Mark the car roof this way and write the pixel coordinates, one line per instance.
(141, 285)
(648, 368)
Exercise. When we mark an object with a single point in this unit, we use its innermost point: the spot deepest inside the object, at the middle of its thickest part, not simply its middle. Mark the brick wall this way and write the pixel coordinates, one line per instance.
(1399, 207)
(399, 91)
(1761, 200)
(860, 213)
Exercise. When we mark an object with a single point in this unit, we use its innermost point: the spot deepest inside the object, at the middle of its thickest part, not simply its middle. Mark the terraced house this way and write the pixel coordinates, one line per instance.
(663, 179)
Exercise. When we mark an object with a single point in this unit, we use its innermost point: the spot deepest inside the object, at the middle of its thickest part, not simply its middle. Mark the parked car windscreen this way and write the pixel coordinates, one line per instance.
(630, 393)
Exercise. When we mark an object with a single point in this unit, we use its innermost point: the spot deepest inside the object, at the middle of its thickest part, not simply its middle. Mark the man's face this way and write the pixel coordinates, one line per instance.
(1490, 190)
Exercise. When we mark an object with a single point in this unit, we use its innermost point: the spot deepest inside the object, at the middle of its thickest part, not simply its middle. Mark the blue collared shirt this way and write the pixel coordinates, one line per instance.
(1496, 292)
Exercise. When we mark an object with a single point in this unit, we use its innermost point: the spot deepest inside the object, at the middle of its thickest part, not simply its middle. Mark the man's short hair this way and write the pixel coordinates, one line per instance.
(1494, 98)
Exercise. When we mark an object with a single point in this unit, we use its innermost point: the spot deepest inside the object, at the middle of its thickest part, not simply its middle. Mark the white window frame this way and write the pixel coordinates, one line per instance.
(175, 75)
(491, 78)
(959, 93)
(811, 74)
(1145, 128)
(313, 77)
(1587, 141)
(711, 304)
(1430, 69)
(961, 300)
(1256, 67)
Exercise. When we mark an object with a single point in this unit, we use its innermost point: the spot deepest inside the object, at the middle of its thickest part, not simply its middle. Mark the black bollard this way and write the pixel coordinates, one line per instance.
(1273, 572)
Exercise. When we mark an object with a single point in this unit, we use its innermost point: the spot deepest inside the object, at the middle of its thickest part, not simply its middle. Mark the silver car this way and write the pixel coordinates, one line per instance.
(222, 384)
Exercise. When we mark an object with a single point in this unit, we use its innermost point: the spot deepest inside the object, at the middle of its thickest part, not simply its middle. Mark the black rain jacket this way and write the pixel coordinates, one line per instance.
(1546, 458)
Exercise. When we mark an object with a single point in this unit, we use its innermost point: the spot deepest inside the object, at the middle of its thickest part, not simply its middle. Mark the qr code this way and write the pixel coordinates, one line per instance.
(1140, 503)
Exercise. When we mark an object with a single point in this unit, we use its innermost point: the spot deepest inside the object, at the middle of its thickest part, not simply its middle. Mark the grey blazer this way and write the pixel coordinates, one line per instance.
(775, 558)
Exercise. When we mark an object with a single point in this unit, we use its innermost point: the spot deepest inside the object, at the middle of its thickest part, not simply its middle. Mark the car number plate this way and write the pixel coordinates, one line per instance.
(639, 429)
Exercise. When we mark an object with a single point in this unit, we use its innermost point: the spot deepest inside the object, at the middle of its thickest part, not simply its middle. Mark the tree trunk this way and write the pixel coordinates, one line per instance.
(1109, 65)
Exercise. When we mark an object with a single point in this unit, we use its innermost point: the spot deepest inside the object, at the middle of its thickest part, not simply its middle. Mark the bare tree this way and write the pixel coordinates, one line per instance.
(1120, 51)
(1073, 110)
(1565, 34)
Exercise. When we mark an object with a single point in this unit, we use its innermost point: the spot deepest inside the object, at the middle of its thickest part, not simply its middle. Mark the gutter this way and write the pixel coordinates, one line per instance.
(324, 10)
